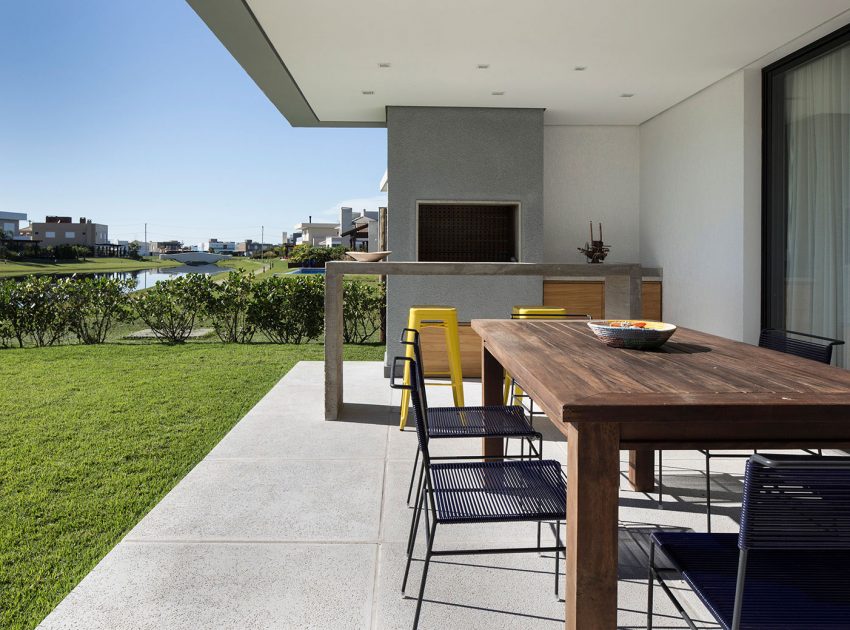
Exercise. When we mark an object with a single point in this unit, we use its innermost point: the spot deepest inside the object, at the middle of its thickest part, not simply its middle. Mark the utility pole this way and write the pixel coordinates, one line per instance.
(262, 242)
(146, 240)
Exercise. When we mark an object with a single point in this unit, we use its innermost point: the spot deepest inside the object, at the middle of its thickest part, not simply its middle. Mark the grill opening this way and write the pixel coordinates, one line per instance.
(458, 232)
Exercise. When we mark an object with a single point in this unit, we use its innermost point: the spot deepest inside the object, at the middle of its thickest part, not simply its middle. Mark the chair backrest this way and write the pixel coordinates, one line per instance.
(555, 316)
(410, 337)
(796, 502)
(416, 388)
(799, 344)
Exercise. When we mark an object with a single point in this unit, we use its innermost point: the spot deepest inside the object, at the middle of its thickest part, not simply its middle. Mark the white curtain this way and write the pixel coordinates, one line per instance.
(818, 256)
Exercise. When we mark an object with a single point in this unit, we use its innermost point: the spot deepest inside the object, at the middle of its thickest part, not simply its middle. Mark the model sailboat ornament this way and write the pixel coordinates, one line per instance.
(596, 251)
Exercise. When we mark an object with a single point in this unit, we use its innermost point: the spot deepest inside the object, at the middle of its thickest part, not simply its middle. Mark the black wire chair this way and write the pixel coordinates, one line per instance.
(799, 344)
(531, 490)
(491, 421)
(787, 567)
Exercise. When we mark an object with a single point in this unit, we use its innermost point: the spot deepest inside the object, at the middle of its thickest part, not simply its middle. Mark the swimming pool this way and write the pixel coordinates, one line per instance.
(306, 271)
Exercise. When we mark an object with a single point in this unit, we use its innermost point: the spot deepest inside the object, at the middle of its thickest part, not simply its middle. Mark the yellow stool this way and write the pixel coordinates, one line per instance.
(444, 317)
(530, 312)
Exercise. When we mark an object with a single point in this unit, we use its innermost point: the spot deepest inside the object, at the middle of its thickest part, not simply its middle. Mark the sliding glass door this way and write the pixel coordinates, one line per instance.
(807, 192)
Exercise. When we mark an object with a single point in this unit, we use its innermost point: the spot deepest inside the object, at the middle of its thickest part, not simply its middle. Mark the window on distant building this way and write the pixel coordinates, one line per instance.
(70, 235)
(49, 234)
(806, 197)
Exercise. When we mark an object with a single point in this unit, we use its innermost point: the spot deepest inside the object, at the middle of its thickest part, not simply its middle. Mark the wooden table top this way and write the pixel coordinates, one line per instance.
(575, 377)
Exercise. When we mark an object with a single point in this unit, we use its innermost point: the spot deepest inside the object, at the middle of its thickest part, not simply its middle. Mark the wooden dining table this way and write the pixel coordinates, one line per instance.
(698, 391)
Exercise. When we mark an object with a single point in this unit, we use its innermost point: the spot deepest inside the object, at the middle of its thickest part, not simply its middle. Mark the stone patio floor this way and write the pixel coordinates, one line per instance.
(295, 522)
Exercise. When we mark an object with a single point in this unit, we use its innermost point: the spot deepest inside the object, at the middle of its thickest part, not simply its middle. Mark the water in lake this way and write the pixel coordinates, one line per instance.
(146, 278)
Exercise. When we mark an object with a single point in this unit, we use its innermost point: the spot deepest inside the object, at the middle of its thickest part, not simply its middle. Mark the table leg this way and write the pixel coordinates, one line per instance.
(492, 381)
(642, 470)
(592, 501)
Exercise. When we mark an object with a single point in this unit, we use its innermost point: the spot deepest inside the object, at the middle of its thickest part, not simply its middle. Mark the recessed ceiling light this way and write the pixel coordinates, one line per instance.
(384, 64)
(626, 95)
(368, 92)
(483, 66)
(580, 68)
(497, 93)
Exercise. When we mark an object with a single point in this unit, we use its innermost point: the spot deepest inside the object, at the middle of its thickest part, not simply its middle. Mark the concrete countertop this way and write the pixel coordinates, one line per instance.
(549, 270)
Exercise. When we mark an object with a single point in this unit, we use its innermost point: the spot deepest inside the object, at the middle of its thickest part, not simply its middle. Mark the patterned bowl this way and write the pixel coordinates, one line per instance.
(624, 333)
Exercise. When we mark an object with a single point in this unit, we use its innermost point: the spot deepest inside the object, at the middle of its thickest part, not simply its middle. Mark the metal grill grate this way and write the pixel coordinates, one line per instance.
(467, 232)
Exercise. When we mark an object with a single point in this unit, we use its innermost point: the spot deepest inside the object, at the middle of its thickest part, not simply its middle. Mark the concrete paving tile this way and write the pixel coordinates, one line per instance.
(223, 586)
(501, 591)
(275, 437)
(495, 591)
(279, 500)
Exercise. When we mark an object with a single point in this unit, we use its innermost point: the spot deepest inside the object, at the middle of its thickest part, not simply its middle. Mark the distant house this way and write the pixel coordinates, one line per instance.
(249, 247)
(56, 230)
(165, 247)
(315, 233)
(144, 248)
(10, 224)
(360, 230)
(331, 241)
(215, 246)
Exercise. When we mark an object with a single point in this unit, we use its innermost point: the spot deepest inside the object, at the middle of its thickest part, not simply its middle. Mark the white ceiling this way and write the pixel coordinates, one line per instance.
(662, 51)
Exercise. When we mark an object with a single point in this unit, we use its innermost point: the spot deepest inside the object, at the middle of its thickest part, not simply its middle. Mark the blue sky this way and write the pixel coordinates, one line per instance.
(125, 112)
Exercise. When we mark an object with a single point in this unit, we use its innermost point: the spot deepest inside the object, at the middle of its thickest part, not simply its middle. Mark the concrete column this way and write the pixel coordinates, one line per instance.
(623, 295)
(333, 343)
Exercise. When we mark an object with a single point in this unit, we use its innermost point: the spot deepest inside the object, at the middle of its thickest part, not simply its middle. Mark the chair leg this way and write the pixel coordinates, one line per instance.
(510, 400)
(412, 476)
(708, 491)
(417, 512)
(424, 573)
(414, 527)
(557, 559)
(661, 479)
(650, 586)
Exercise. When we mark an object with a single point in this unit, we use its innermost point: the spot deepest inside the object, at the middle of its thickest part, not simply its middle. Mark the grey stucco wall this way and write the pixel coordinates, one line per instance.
(462, 154)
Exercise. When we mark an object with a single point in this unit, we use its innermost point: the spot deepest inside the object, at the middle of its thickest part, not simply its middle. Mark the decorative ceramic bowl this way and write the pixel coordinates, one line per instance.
(368, 256)
(636, 334)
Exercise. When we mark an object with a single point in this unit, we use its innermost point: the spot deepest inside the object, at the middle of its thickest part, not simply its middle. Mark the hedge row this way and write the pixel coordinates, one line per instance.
(43, 311)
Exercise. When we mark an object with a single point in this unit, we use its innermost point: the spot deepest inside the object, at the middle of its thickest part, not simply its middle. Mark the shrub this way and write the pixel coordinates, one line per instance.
(318, 256)
(35, 308)
(228, 307)
(289, 310)
(6, 334)
(95, 305)
(7, 330)
(170, 307)
(362, 303)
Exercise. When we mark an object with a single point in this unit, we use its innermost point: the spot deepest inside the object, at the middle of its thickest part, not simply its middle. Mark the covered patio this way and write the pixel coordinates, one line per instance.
(298, 522)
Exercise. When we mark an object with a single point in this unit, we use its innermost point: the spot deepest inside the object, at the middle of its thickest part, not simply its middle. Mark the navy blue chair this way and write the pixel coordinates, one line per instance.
(803, 345)
(788, 565)
(531, 490)
(491, 421)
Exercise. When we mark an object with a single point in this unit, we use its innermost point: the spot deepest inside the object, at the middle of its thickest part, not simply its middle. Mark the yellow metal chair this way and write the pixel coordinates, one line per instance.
(444, 317)
(531, 312)
(513, 393)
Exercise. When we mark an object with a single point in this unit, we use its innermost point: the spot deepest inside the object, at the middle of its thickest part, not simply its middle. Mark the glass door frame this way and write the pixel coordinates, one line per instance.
(774, 200)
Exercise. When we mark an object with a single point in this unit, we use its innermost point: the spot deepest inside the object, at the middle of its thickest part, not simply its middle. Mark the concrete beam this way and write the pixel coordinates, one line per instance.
(622, 297)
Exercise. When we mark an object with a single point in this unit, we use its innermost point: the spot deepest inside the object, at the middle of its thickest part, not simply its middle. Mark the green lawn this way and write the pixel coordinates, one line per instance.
(91, 437)
(92, 265)
(270, 266)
